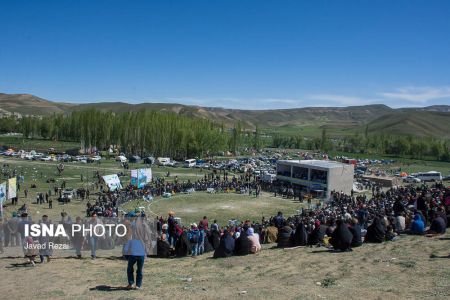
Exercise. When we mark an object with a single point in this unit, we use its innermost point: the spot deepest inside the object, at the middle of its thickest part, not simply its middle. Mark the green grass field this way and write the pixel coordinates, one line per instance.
(223, 207)
(36, 144)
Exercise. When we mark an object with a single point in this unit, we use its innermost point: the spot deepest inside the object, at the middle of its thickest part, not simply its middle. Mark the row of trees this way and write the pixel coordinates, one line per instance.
(381, 144)
(143, 132)
(168, 134)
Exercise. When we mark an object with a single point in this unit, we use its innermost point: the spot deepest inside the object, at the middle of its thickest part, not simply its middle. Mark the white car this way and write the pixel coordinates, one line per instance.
(38, 156)
(121, 159)
(96, 158)
(411, 179)
(46, 158)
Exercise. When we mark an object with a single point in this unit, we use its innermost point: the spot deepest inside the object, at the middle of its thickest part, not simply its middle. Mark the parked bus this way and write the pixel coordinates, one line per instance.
(429, 176)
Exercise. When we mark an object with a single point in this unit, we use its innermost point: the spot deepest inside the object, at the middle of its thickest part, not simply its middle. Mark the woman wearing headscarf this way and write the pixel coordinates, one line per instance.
(243, 245)
(317, 234)
(254, 240)
(183, 246)
(438, 225)
(417, 225)
(300, 235)
(341, 238)
(285, 237)
(226, 246)
(375, 232)
(207, 243)
(214, 238)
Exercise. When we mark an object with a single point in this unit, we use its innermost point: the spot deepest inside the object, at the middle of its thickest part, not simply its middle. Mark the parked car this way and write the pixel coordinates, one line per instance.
(173, 163)
(121, 159)
(135, 159)
(411, 179)
(96, 158)
(38, 156)
(149, 160)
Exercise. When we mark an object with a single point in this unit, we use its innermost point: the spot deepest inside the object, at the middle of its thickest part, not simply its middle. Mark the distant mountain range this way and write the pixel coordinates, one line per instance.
(423, 121)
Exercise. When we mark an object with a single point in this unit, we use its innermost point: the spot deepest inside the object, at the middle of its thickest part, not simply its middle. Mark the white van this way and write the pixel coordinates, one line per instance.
(189, 163)
(163, 161)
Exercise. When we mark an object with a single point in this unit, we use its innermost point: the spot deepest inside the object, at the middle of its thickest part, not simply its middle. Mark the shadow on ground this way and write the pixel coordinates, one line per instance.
(108, 288)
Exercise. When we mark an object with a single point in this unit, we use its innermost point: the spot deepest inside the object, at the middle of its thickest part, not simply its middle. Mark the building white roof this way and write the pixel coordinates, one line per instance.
(327, 164)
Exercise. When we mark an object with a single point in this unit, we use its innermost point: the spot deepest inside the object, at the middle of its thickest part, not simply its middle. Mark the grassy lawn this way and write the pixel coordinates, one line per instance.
(223, 207)
(36, 144)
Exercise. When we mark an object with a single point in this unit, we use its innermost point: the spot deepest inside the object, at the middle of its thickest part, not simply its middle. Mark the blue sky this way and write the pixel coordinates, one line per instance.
(237, 54)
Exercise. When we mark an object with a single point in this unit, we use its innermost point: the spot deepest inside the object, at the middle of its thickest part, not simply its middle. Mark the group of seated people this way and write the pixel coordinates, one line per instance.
(344, 223)
(200, 239)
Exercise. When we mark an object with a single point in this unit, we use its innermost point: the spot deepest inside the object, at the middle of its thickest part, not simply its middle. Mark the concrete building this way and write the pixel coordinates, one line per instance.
(318, 177)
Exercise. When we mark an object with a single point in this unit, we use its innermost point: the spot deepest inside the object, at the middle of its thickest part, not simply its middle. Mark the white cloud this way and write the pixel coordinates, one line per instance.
(418, 94)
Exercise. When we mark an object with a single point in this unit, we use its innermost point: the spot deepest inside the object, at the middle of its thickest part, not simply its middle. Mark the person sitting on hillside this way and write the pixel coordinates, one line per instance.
(254, 240)
(390, 234)
(226, 246)
(243, 246)
(400, 223)
(441, 212)
(417, 226)
(270, 234)
(331, 227)
(279, 220)
(316, 236)
(375, 232)
(437, 225)
(285, 236)
(355, 229)
(341, 238)
(300, 235)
